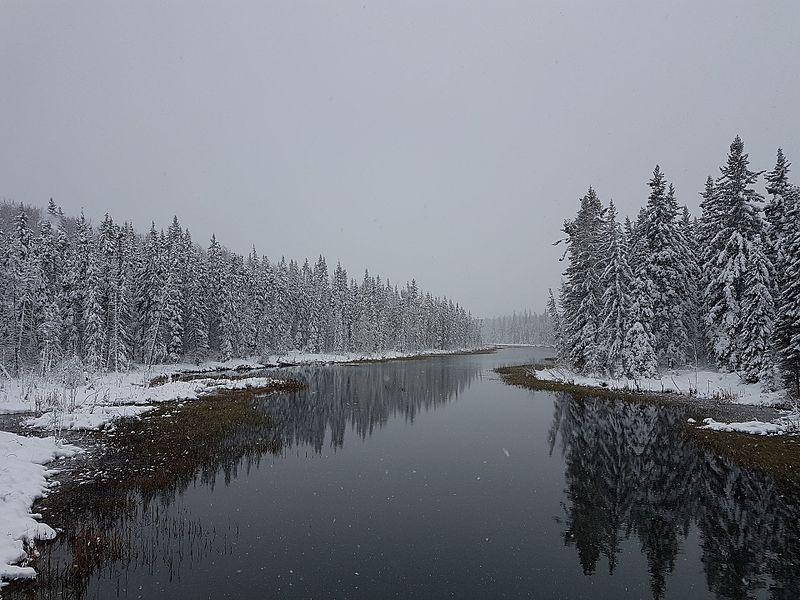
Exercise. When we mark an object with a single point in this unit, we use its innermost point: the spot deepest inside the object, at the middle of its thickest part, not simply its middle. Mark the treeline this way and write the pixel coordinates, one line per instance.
(671, 290)
(518, 328)
(108, 296)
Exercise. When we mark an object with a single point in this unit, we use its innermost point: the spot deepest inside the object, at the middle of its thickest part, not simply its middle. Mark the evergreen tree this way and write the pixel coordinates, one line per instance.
(758, 316)
(786, 339)
(581, 290)
(741, 230)
(555, 319)
(638, 350)
(615, 282)
(93, 312)
(665, 271)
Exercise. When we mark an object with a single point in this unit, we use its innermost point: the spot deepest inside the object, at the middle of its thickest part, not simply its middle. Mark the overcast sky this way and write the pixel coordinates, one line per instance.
(445, 141)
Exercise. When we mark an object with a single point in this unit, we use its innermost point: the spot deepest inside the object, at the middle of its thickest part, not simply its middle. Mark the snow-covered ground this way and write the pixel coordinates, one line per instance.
(23, 479)
(509, 345)
(699, 384)
(106, 397)
(101, 398)
(752, 427)
(129, 399)
(296, 357)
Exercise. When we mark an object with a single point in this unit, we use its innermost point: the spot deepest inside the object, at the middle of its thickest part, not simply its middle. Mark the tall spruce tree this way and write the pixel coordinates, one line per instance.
(665, 270)
(783, 226)
(736, 250)
(615, 283)
(581, 290)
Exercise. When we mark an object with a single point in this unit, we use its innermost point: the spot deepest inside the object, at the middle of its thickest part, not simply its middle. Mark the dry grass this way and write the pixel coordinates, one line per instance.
(156, 455)
(776, 455)
(522, 376)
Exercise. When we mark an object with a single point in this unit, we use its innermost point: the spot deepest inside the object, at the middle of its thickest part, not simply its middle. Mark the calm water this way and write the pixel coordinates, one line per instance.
(433, 479)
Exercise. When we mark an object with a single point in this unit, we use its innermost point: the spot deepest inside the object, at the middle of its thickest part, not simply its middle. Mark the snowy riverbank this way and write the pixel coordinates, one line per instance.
(23, 479)
(690, 383)
(95, 405)
(701, 384)
(95, 402)
(97, 399)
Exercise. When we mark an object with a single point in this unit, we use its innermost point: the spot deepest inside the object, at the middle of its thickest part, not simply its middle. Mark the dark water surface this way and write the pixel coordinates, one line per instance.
(433, 479)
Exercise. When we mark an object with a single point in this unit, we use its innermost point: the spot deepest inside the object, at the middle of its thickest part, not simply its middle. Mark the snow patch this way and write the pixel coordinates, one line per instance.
(23, 479)
(751, 427)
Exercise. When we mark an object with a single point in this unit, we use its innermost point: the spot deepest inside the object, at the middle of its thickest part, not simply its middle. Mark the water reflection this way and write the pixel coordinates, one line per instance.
(124, 512)
(365, 397)
(633, 483)
(631, 472)
(127, 516)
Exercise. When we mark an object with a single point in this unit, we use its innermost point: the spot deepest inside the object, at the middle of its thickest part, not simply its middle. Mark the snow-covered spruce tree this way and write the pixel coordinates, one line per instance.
(281, 332)
(555, 319)
(232, 308)
(295, 305)
(339, 309)
(411, 322)
(615, 282)
(148, 297)
(778, 225)
(366, 334)
(50, 325)
(26, 293)
(788, 315)
(173, 292)
(738, 246)
(581, 292)
(195, 284)
(318, 306)
(121, 268)
(215, 289)
(638, 347)
(259, 299)
(782, 225)
(693, 311)
(93, 313)
(665, 252)
(75, 268)
(758, 316)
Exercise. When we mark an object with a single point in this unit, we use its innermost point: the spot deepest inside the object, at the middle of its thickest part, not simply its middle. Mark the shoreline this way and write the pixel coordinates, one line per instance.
(172, 406)
(777, 455)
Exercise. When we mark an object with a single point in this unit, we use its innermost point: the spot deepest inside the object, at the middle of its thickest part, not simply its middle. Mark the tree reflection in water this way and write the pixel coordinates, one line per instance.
(632, 472)
(632, 477)
(363, 397)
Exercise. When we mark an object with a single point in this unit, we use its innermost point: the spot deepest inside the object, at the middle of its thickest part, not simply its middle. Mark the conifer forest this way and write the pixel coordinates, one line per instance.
(107, 295)
(670, 290)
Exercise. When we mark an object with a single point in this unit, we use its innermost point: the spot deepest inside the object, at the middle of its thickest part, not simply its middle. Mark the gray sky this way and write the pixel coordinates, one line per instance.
(442, 140)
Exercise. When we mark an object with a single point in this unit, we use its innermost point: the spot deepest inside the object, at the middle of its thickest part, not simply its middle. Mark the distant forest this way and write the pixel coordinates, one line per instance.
(105, 296)
(518, 328)
(670, 290)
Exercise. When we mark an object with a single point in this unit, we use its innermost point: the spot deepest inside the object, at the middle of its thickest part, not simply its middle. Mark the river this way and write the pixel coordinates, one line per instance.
(433, 479)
